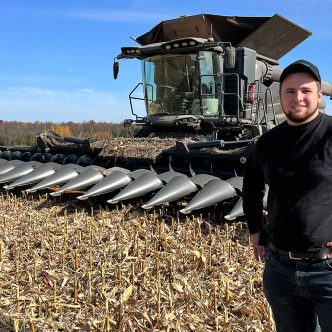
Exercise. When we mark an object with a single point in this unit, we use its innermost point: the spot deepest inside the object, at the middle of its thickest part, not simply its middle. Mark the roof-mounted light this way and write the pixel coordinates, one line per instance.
(180, 43)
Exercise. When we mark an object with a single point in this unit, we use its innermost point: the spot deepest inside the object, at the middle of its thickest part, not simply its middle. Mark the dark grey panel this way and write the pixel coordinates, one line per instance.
(275, 37)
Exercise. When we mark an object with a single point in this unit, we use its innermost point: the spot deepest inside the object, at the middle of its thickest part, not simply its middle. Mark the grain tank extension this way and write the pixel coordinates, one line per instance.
(210, 89)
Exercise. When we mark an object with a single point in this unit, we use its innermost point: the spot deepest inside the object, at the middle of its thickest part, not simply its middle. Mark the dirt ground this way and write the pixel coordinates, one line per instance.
(71, 267)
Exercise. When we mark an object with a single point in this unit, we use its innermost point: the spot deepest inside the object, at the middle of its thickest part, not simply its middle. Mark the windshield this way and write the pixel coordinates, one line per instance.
(180, 83)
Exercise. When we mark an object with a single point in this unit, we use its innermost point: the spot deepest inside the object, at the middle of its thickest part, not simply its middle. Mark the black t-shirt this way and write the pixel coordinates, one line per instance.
(296, 163)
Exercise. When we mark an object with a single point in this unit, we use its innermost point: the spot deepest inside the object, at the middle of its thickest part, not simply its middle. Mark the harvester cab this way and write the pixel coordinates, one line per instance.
(207, 71)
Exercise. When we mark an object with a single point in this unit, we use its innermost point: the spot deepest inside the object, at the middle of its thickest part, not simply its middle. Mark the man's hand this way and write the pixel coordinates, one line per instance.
(329, 244)
(259, 251)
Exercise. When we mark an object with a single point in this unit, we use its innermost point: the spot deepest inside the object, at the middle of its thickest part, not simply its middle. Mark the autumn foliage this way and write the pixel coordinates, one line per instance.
(23, 133)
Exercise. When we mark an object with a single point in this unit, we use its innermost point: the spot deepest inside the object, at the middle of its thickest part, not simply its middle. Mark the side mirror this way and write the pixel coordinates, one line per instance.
(230, 57)
(115, 69)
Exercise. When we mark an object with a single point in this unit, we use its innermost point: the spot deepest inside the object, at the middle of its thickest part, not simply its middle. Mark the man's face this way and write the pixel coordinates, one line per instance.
(300, 97)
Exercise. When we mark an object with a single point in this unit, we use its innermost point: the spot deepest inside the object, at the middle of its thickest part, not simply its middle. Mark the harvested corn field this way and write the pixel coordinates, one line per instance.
(66, 269)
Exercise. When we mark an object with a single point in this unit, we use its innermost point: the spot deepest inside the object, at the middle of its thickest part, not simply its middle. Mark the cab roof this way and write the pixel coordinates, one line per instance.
(272, 36)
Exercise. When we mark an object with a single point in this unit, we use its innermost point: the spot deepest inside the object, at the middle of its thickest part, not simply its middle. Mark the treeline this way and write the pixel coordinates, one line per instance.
(24, 133)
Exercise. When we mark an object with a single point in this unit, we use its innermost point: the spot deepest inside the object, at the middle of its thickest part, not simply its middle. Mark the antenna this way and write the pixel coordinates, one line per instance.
(210, 38)
(135, 40)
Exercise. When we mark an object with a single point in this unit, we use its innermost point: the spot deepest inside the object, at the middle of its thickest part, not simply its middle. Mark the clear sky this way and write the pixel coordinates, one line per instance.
(56, 56)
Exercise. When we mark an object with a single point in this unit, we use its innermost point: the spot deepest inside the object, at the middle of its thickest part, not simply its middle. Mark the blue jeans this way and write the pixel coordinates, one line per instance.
(299, 293)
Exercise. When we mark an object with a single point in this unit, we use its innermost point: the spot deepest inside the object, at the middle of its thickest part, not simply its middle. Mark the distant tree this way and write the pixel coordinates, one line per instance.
(24, 133)
(61, 129)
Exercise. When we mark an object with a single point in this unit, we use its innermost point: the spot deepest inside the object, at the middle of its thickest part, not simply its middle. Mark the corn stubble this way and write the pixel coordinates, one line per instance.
(66, 269)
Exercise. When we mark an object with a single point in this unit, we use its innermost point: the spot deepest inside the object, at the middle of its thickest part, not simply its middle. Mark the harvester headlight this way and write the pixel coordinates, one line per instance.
(179, 44)
(129, 51)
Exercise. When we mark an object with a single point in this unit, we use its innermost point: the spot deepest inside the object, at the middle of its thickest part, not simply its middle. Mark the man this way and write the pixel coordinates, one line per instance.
(295, 160)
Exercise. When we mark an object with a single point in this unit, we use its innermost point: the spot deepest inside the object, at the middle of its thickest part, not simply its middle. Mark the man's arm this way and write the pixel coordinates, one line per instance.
(253, 193)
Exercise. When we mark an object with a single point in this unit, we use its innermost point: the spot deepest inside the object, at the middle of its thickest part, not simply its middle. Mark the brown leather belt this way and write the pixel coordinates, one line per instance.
(319, 254)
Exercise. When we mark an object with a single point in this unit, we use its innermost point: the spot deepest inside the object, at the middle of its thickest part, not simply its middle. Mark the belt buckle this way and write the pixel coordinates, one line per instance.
(290, 255)
(323, 253)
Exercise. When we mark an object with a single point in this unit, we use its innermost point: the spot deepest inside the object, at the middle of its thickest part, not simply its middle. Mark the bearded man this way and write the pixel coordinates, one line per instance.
(295, 160)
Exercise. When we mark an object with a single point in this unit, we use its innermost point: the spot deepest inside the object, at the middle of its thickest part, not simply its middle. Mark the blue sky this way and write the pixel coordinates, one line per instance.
(56, 57)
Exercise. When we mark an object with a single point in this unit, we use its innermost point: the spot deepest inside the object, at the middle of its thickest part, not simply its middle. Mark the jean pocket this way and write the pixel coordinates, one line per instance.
(328, 264)
(268, 255)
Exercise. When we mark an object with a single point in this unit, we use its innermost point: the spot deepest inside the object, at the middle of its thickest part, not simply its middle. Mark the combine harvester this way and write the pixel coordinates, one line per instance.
(210, 89)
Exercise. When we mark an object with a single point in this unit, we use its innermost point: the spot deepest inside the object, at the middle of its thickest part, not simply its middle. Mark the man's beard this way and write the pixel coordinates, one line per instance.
(300, 117)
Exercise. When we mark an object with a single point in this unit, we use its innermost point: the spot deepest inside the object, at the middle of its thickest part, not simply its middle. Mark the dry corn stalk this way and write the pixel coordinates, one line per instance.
(121, 269)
